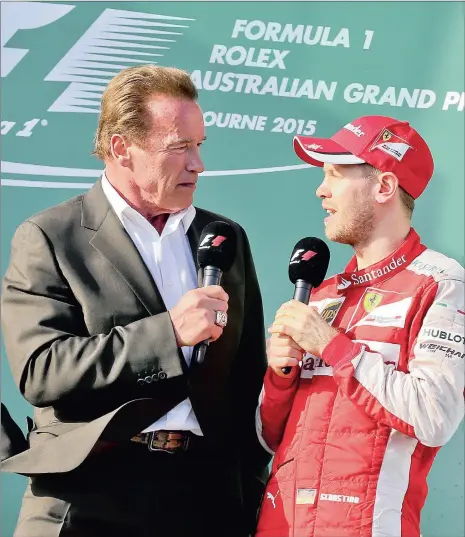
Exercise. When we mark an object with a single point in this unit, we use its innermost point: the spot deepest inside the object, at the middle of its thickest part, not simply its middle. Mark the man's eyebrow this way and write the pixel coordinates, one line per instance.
(184, 141)
(329, 170)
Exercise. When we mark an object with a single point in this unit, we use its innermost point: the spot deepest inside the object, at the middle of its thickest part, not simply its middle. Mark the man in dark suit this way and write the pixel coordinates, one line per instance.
(101, 310)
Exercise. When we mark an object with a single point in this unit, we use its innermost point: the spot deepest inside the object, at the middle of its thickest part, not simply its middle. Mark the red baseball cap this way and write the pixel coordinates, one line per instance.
(387, 144)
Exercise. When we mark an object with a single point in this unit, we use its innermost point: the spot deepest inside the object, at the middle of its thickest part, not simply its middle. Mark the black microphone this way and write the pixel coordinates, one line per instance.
(307, 269)
(215, 255)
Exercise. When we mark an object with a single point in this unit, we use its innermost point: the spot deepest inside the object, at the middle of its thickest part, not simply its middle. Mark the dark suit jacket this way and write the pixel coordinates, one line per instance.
(92, 348)
(12, 439)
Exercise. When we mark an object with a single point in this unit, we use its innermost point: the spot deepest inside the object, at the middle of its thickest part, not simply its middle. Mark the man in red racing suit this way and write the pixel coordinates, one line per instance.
(356, 427)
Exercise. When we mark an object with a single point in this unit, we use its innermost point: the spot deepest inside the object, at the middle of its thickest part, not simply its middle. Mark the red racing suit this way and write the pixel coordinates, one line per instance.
(355, 432)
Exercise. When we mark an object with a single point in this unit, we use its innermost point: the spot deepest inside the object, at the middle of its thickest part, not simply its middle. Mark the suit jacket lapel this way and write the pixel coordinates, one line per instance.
(193, 235)
(114, 243)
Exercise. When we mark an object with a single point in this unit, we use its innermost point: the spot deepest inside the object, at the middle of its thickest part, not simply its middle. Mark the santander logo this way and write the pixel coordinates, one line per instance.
(355, 129)
(362, 278)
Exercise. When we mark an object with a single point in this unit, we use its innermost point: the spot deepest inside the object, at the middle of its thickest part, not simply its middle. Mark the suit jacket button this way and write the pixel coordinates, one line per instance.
(162, 375)
(148, 379)
(155, 377)
(141, 382)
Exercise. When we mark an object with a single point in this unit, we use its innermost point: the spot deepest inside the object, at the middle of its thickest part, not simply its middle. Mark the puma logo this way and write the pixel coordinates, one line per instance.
(272, 498)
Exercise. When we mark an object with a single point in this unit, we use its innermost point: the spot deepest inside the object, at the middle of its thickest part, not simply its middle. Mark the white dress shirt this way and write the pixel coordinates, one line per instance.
(169, 259)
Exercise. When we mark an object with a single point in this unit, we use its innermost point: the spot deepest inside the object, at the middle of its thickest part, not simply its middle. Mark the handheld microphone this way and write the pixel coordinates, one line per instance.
(307, 269)
(215, 255)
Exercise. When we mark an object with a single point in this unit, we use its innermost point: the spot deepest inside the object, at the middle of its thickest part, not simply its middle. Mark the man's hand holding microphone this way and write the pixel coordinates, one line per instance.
(200, 317)
(194, 316)
(298, 328)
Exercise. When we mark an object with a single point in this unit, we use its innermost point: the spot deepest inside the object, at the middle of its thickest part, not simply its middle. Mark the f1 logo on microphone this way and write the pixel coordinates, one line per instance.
(211, 240)
(299, 256)
(218, 240)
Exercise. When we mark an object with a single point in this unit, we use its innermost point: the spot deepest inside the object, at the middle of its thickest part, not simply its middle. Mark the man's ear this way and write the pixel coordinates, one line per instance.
(120, 150)
(387, 185)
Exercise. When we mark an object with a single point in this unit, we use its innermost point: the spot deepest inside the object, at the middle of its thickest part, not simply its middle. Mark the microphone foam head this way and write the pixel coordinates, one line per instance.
(309, 261)
(217, 246)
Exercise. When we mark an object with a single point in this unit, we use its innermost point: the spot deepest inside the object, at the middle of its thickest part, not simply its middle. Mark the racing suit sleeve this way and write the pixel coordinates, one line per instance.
(427, 401)
(275, 403)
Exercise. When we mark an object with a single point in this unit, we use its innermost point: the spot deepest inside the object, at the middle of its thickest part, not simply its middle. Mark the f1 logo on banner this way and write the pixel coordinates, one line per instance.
(115, 40)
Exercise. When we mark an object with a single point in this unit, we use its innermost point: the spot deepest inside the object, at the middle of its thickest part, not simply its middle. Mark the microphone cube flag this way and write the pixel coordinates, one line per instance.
(217, 246)
(309, 261)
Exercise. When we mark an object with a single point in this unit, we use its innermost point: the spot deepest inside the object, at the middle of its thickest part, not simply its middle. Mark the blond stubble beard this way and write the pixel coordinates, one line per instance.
(358, 221)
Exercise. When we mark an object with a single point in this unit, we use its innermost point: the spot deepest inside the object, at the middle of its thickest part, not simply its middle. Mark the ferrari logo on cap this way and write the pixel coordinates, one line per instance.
(371, 301)
(392, 144)
(386, 136)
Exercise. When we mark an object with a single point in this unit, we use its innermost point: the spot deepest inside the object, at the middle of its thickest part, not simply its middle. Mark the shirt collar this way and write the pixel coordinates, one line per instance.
(410, 248)
(122, 209)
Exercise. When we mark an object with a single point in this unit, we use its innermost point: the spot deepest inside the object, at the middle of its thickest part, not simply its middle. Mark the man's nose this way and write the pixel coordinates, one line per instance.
(323, 190)
(195, 163)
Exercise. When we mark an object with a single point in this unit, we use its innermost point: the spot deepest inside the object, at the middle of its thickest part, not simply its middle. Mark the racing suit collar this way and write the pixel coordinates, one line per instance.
(385, 269)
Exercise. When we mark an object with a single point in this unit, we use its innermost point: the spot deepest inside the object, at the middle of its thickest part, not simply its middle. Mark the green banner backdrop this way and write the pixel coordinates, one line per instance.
(265, 71)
